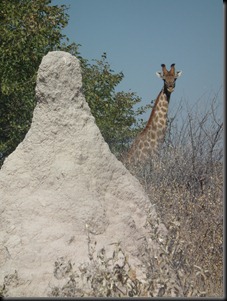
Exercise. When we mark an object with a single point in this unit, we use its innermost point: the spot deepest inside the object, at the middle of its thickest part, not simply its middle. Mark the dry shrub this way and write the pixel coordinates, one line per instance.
(114, 276)
(195, 224)
(186, 184)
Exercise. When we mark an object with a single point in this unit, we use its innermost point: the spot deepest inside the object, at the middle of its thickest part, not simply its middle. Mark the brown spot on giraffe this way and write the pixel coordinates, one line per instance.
(160, 115)
(152, 135)
(146, 144)
(164, 109)
(154, 126)
(140, 145)
(162, 121)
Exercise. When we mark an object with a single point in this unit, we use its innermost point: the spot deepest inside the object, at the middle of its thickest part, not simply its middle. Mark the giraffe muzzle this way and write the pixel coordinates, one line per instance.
(170, 89)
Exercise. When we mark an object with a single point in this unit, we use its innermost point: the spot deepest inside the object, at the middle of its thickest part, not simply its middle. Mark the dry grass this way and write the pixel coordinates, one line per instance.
(186, 184)
(195, 223)
(193, 250)
(114, 276)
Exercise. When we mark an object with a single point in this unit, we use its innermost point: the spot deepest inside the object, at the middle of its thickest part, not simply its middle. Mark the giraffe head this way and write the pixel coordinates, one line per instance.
(169, 77)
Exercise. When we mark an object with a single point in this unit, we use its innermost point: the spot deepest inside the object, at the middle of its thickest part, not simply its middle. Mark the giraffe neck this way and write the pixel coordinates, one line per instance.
(147, 142)
(158, 118)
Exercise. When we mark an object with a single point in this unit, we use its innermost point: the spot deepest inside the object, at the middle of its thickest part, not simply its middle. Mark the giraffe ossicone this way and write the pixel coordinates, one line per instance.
(147, 143)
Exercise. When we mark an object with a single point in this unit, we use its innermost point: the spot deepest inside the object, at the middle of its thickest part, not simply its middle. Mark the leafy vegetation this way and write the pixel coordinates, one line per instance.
(113, 111)
(29, 29)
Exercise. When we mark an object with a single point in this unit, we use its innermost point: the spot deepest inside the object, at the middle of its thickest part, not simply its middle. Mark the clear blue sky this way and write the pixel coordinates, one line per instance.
(139, 35)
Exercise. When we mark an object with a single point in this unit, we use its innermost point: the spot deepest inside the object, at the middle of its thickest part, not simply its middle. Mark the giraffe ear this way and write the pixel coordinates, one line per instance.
(178, 74)
(159, 74)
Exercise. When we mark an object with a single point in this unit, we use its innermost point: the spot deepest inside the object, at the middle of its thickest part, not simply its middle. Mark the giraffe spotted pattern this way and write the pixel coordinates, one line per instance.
(147, 143)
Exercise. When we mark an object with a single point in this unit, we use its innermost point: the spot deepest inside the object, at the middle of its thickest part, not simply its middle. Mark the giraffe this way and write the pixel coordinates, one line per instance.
(147, 142)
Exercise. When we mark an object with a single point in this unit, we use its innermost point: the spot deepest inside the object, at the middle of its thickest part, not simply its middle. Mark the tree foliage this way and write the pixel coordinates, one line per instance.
(29, 30)
(114, 111)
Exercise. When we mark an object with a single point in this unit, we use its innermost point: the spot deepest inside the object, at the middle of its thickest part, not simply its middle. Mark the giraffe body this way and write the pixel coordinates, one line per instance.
(147, 143)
